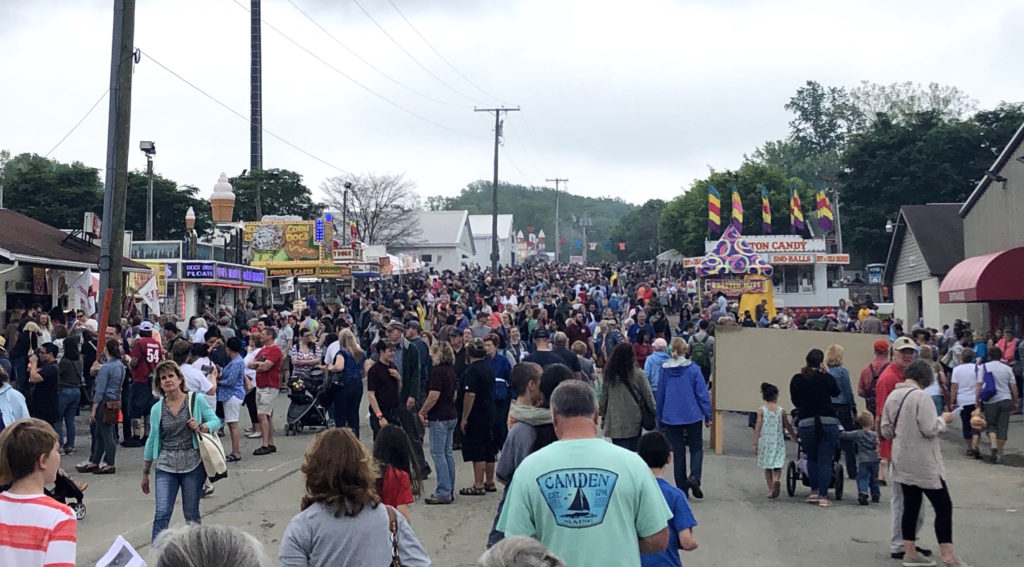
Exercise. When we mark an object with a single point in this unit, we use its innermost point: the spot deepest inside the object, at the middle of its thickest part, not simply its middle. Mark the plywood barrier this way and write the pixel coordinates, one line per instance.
(745, 357)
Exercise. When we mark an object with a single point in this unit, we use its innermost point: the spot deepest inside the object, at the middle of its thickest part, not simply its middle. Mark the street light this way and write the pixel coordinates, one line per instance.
(889, 226)
(149, 148)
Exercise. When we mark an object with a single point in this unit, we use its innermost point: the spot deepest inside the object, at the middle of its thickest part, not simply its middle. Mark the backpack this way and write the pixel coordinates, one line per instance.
(869, 399)
(988, 388)
(699, 352)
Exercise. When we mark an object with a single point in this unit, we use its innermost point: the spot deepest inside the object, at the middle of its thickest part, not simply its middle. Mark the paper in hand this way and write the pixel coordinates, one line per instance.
(121, 554)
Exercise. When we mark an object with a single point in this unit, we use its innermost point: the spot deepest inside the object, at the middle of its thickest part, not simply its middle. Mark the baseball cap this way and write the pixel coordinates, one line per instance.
(146, 326)
(541, 333)
(881, 345)
(396, 325)
(659, 344)
(903, 343)
(285, 313)
(414, 325)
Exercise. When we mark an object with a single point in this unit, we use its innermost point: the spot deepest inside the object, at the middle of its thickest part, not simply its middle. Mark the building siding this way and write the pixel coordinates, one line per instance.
(994, 223)
(910, 265)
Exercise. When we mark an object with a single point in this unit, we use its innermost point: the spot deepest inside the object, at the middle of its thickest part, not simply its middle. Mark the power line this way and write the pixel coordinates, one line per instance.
(438, 53)
(357, 83)
(410, 55)
(239, 114)
(533, 141)
(79, 123)
(367, 63)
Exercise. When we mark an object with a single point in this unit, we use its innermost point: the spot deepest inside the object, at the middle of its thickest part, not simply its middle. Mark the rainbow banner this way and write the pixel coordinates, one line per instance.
(714, 210)
(737, 210)
(826, 220)
(796, 216)
(766, 212)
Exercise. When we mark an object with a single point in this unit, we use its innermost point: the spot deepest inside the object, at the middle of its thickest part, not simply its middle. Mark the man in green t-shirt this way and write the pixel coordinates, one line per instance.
(588, 501)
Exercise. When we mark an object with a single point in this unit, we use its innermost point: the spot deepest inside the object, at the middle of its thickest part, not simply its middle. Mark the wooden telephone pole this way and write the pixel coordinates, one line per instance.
(558, 242)
(494, 189)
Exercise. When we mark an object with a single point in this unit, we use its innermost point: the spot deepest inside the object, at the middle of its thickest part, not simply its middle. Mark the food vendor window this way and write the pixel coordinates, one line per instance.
(793, 279)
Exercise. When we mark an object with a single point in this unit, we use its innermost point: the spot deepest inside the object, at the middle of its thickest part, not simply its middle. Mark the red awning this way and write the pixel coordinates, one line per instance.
(991, 277)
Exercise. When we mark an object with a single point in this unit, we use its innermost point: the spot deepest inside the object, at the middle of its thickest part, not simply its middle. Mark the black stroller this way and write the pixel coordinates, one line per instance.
(797, 470)
(309, 397)
(65, 489)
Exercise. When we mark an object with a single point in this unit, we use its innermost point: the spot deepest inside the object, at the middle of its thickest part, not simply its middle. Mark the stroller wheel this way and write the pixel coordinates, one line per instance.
(838, 480)
(791, 477)
(79, 510)
(298, 427)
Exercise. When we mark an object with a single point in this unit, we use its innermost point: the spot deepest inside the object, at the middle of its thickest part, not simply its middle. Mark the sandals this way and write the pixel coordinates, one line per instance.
(490, 487)
(265, 450)
(813, 499)
(86, 467)
(824, 502)
(473, 491)
(232, 458)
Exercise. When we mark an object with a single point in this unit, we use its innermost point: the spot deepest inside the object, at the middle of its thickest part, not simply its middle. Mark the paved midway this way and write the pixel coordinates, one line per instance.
(738, 525)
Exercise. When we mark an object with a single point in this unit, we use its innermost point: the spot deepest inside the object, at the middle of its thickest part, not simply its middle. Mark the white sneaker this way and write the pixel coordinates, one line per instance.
(253, 435)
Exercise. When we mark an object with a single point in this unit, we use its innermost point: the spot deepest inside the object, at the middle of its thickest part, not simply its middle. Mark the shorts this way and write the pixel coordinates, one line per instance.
(265, 400)
(997, 414)
(232, 408)
(477, 445)
(140, 400)
(965, 421)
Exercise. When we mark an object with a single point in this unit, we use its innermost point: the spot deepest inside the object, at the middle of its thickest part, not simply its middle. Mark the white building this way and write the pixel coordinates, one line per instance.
(445, 240)
(481, 226)
(801, 269)
(927, 241)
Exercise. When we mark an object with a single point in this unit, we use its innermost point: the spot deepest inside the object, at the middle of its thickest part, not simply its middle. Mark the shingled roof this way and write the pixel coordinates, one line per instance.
(939, 232)
(27, 240)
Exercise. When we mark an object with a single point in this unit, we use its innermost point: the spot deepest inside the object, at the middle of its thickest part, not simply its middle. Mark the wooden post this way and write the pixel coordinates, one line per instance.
(716, 420)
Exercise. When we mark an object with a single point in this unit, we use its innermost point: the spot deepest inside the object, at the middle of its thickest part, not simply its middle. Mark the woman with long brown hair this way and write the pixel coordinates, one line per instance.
(624, 384)
(342, 522)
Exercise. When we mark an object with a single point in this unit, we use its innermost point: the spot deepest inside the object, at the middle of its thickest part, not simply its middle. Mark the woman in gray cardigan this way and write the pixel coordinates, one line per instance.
(910, 420)
(619, 409)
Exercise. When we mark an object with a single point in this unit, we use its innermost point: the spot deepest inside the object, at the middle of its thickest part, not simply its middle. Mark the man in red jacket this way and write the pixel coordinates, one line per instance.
(903, 352)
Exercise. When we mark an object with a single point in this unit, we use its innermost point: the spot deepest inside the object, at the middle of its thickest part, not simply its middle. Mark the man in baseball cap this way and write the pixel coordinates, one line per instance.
(904, 351)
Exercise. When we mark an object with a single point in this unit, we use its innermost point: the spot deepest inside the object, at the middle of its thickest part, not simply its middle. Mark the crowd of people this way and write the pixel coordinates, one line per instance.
(522, 372)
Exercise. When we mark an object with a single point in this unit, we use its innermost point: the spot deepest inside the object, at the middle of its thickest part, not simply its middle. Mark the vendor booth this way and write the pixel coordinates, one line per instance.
(734, 269)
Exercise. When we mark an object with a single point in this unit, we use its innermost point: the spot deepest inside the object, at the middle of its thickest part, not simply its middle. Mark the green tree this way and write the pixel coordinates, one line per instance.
(50, 191)
(924, 159)
(639, 230)
(170, 203)
(684, 220)
(282, 193)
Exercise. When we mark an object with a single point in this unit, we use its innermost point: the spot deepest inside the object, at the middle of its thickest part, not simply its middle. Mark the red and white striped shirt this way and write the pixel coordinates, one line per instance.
(36, 531)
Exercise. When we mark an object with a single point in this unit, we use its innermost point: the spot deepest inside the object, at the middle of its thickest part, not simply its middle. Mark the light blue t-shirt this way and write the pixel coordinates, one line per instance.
(587, 501)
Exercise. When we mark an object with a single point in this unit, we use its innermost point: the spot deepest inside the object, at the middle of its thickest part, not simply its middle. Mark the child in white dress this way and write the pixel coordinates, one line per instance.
(769, 443)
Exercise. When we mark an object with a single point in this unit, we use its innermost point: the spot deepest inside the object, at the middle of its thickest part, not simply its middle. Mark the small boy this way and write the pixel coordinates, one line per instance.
(867, 457)
(38, 531)
(656, 452)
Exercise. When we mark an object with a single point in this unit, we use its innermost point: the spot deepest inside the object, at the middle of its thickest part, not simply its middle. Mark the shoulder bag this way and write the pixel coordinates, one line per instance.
(112, 409)
(393, 528)
(212, 452)
(647, 418)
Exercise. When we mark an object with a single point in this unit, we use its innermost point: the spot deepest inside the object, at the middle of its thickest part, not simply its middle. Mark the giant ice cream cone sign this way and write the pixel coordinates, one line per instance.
(222, 201)
(190, 219)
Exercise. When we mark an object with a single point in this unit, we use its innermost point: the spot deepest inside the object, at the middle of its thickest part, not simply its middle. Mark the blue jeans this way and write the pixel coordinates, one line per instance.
(346, 404)
(682, 438)
(444, 461)
(867, 478)
(820, 451)
(167, 484)
(940, 404)
(67, 408)
(628, 443)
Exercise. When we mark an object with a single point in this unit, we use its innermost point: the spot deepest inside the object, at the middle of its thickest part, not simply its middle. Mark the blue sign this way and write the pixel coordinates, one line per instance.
(578, 498)
(198, 270)
(258, 277)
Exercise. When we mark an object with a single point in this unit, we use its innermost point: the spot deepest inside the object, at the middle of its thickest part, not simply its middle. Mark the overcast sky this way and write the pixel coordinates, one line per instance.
(628, 99)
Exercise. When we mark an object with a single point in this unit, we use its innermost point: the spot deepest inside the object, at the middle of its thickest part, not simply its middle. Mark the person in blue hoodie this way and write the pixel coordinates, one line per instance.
(652, 367)
(683, 402)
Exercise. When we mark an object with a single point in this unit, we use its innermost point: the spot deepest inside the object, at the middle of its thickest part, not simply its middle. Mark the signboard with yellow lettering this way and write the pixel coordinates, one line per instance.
(283, 244)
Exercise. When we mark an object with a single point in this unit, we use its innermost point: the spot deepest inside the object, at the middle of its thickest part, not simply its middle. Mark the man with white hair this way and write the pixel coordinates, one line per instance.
(587, 500)
(652, 367)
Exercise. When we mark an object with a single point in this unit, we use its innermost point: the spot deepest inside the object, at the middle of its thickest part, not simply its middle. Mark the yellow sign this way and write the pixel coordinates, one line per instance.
(326, 272)
(160, 271)
(282, 243)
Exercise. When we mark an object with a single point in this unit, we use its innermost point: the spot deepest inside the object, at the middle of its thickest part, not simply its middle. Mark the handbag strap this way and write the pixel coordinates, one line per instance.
(896, 419)
(393, 528)
(636, 397)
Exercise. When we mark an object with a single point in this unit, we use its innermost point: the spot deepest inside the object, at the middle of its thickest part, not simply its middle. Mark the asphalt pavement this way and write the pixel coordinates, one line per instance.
(737, 523)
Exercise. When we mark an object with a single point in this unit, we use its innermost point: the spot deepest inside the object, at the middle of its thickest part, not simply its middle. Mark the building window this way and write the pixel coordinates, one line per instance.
(425, 258)
(793, 279)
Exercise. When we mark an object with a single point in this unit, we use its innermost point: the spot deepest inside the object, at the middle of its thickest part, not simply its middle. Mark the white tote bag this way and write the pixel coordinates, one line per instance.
(210, 449)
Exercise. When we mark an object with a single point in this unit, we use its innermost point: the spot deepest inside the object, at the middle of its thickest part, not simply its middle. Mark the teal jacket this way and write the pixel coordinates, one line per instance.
(209, 419)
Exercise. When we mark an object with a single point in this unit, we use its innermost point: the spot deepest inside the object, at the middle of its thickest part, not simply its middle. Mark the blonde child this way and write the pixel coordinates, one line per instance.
(769, 443)
(867, 457)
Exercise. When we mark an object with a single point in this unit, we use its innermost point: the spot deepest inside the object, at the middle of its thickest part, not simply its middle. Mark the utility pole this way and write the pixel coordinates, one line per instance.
(585, 221)
(346, 231)
(839, 229)
(558, 241)
(256, 104)
(115, 187)
(494, 188)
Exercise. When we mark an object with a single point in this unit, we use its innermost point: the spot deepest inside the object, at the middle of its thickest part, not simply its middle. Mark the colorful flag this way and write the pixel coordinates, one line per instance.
(622, 246)
(766, 212)
(826, 220)
(608, 246)
(592, 245)
(737, 210)
(796, 216)
(714, 210)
